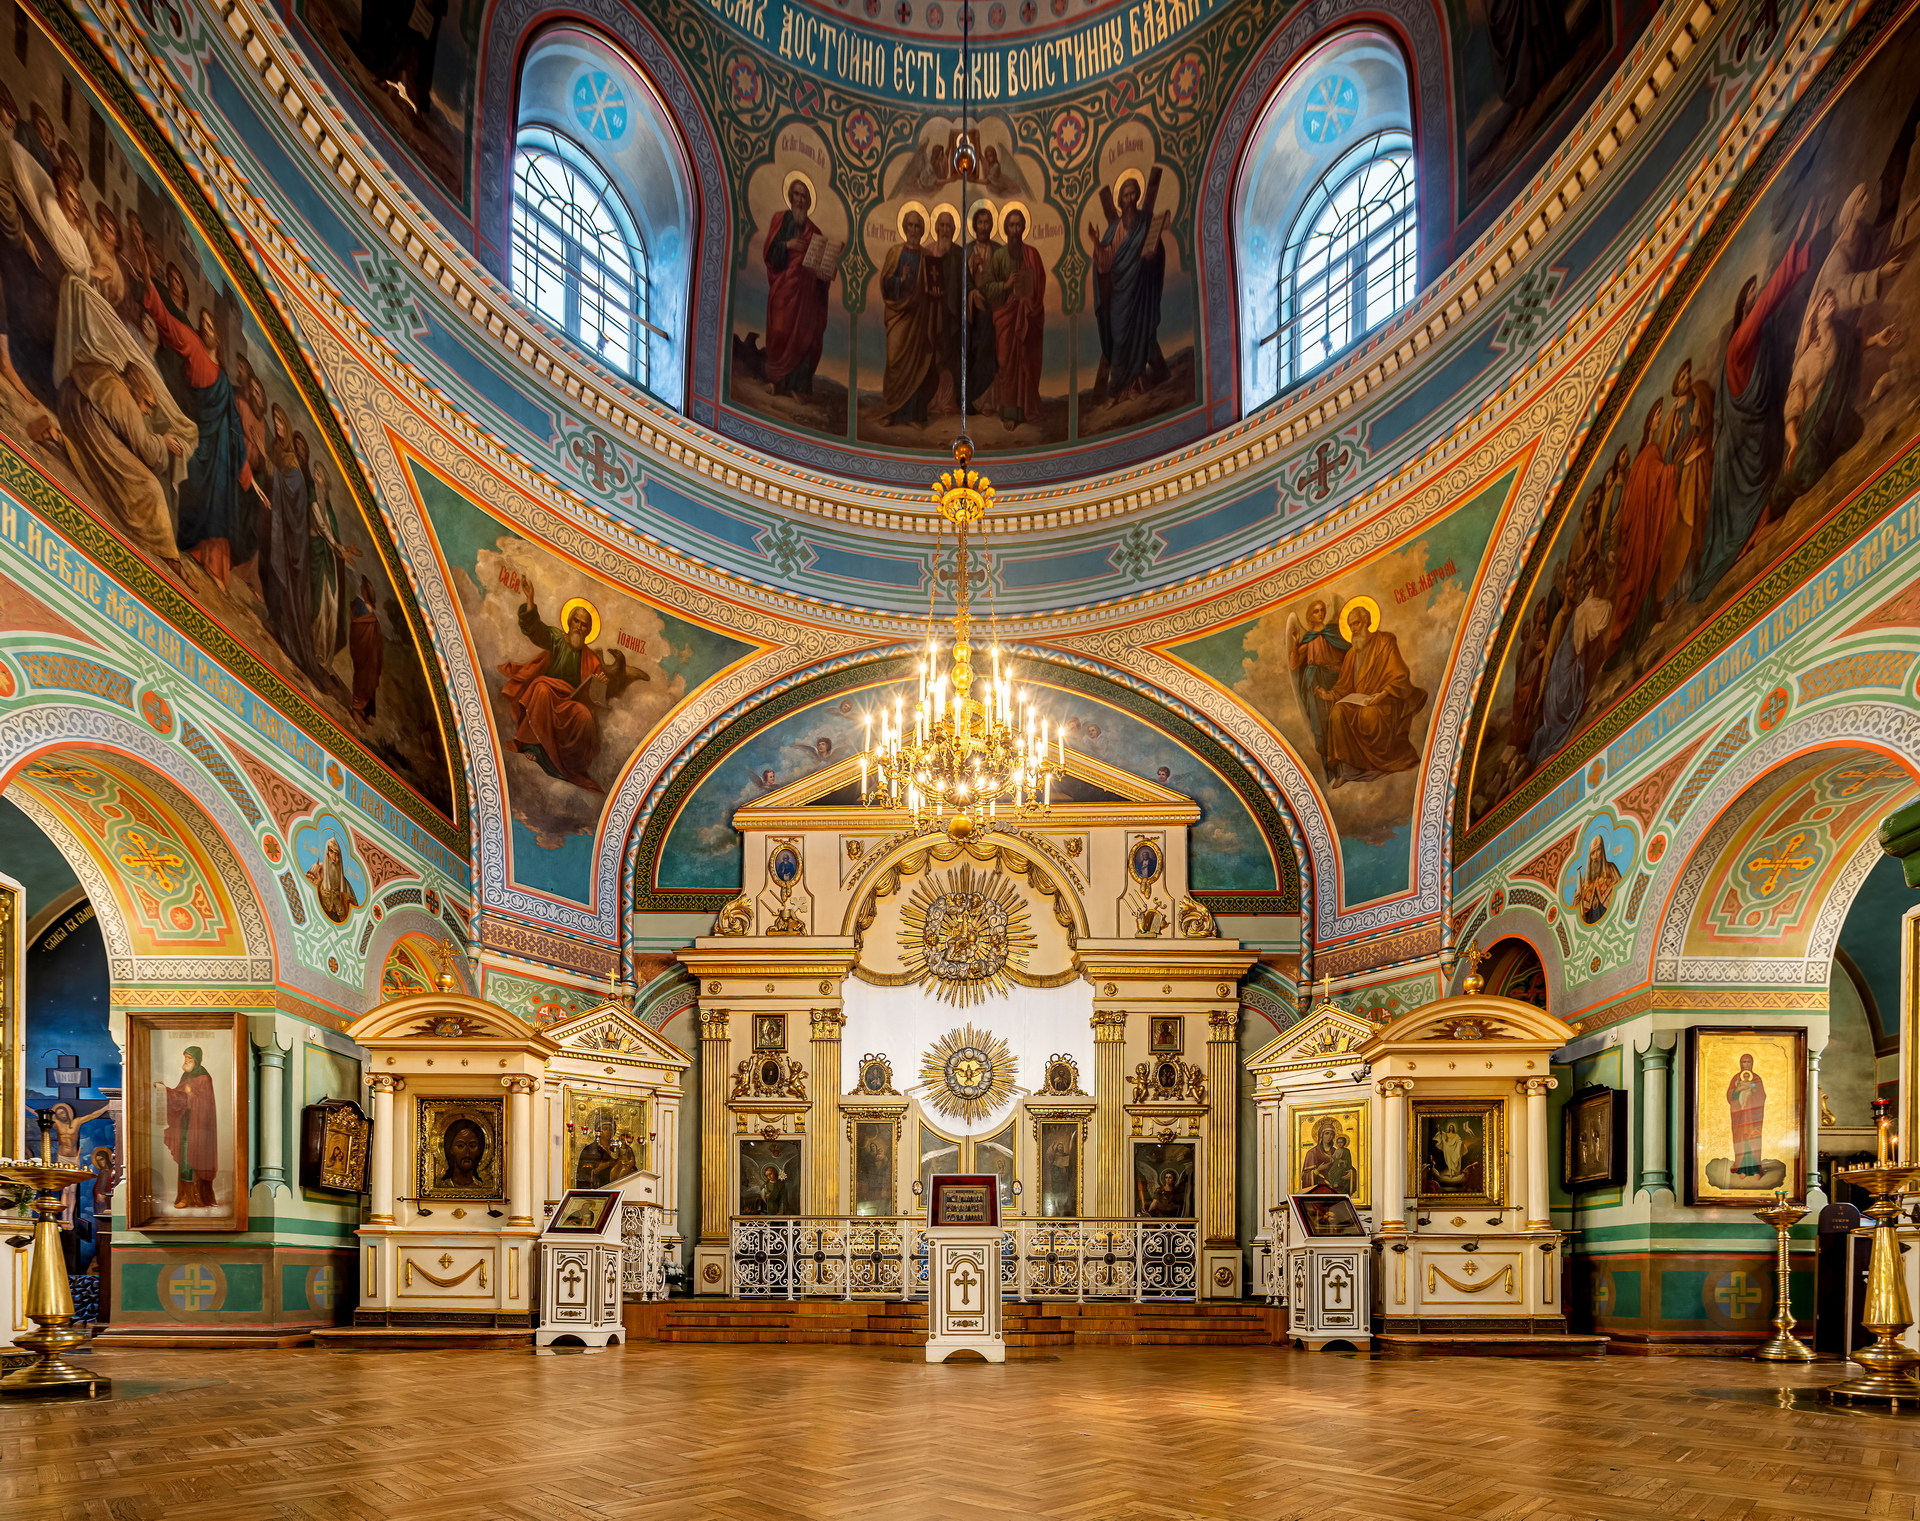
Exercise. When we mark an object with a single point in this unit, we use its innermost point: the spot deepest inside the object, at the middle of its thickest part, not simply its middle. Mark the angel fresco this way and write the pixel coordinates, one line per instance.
(1315, 652)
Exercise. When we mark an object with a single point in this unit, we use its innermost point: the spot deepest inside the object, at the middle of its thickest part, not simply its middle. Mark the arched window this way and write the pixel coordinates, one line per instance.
(603, 224)
(1352, 259)
(1326, 229)
(576, 258)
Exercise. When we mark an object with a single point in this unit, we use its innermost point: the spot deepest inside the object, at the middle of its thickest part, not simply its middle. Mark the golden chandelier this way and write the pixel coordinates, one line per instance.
(958, 755)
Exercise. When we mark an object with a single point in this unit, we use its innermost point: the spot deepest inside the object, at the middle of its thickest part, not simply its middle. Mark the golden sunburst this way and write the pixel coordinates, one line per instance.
(967, 1074)
(961, 935)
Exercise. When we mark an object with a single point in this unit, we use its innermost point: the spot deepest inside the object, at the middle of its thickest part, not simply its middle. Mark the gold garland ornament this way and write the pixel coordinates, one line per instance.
(965, 935)
(967, 1074)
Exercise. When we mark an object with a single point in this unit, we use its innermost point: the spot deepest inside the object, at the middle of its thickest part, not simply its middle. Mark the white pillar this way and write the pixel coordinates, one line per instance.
(1656, 1068)
(1393, 1160)
(519, 1149)
(384, 1086)
(270, 1165)
(1536, 1089)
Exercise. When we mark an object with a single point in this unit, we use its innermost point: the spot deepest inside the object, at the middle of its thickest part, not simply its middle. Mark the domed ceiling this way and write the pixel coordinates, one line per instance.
(854, 105)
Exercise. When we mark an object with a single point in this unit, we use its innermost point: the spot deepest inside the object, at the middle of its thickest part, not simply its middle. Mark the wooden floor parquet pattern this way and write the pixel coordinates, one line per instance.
(661, 1432)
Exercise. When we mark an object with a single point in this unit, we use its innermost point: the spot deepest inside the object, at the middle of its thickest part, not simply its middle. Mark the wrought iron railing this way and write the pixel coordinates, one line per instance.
(802, 1256)
(643, 1239)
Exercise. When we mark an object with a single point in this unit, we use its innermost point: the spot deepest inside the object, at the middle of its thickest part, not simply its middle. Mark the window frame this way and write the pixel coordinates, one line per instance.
(541, 139)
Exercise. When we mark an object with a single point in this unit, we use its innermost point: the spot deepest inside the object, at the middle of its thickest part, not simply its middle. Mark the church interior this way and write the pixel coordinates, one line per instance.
(1171, 743)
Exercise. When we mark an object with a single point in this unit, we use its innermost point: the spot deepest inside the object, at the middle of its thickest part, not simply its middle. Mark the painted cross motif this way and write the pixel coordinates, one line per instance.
(193, 1288)
(156, 863)
(1737, 1294)
(1857, 777)
(1781, 863)
(965, 1281)
(325, 1288)
(604, 469)
(73, 778)
(1320, 478)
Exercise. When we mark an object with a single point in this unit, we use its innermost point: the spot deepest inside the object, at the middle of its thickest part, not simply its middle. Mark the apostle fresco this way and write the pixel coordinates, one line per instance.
(982, 338)
(1015, 288)
(912, 290)
(796, 295)
(554, 721)
(1599, 880)
(1129, 273)
(1370, 706)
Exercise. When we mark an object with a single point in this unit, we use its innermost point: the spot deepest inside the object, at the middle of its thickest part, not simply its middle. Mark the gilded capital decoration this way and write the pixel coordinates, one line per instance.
(715, 1024)
(1223, 1023)
(827, 1023)
(519, 1082)
(1109, 1024)
(1536, 1087)
(386, 1082)
(1395, 1087)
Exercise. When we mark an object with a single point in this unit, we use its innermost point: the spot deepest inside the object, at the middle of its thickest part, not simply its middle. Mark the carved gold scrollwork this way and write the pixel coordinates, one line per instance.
(1503, 1277)
(438, 1282)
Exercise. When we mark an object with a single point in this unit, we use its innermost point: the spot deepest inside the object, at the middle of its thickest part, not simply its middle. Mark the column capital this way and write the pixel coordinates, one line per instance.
(519, 1082)
(1395, 1087)
(716, 1024)
(386, 1082)
(1536, 1087)
(1109, 1024)
(1222, 1024)
(827, 1023)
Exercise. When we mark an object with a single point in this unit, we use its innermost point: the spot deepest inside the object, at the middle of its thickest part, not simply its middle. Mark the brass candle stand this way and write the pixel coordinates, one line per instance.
(1889, 1378)
(49, 1296)
(1783, 1346)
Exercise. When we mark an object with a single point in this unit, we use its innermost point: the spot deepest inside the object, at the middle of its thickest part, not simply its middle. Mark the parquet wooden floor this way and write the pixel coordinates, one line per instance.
(660, 1432)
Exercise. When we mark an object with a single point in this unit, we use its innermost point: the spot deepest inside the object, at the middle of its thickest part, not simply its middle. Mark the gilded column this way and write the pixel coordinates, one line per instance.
(1536, 1090)
(1217, 1225)
(1393, 1160)
(1110, 1119)
(716, 1065)
(519, 1148)
(823, 1133)
(384, 1086)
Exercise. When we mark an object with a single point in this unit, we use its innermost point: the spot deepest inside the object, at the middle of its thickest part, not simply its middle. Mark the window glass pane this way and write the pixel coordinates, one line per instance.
(1351, 261)
(576, 260)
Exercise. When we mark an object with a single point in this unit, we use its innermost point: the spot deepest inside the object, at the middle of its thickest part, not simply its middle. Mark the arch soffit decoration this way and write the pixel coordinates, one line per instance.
(1417, 26)
(395, 927)
(511, 30)
(1523, 923)
(670, 788)
(1794, 753)
(134, 755)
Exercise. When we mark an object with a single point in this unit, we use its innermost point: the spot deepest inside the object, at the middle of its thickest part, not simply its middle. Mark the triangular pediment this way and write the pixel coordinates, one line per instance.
(1094, 792)
(611, 1030)
(1329, 1033)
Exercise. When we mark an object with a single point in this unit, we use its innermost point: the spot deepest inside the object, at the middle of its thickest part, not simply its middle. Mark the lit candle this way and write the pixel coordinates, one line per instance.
(1884, 1154)
(1049, 794)
(863, 775)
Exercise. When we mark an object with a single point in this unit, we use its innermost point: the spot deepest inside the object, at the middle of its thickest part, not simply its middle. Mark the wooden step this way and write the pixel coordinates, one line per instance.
(1400, 1344)
(420, 1339)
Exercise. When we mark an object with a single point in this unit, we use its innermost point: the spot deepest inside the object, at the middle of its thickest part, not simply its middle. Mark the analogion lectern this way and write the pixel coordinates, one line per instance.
(963, 1268)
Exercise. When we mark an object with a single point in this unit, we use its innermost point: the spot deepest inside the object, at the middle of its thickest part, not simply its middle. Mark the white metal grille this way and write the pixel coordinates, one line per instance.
(576, 258)
(1353, 258)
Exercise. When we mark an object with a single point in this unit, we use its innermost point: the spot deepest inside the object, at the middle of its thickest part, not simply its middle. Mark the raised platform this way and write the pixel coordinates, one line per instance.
(204, 1341)
(422, 1338)
(893, 1323)
(1403, 1344)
